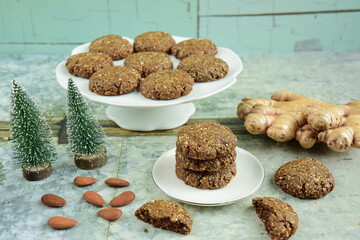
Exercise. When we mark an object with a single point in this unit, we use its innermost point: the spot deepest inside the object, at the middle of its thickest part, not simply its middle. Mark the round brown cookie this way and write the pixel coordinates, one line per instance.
(204, 68)
(86, 64)
(114, 80)
(207, 165)
(166, 84)
(280, 219)
(166, 214)
(115, 46)
(305, 178)
(206, 140)
(154, 41)
(188, 47)
(206, 179)
(148, 62)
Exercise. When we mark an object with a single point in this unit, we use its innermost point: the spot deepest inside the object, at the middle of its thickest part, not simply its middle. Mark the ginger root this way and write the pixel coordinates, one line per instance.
(288, 115)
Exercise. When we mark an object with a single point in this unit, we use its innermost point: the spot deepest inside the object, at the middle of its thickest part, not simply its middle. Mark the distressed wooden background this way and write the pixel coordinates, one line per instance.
(246, 26)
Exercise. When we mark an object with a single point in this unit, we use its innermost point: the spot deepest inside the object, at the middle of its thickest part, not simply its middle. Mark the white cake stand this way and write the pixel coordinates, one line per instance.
(135, 112)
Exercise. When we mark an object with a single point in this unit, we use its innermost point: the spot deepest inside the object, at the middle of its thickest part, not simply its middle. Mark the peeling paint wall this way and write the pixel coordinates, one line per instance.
(246, 26)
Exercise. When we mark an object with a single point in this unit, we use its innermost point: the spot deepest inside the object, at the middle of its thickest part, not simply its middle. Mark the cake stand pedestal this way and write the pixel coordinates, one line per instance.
(150, 119)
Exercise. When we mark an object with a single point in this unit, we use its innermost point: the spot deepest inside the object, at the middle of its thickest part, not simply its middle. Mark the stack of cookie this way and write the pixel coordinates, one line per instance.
(205, 155)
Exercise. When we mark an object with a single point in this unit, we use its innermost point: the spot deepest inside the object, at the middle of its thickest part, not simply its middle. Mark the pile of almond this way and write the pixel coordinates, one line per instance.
(110, 214)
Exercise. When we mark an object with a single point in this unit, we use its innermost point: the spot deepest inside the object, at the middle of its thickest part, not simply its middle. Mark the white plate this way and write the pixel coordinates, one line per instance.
(249, 176)
(136, 100)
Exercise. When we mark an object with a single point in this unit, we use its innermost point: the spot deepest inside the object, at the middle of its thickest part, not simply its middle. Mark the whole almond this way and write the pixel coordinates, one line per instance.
(84, 181)
(110, 214)
(116, 182)
(123, 199)
(53, 200)
(94, 198)
(58, 222)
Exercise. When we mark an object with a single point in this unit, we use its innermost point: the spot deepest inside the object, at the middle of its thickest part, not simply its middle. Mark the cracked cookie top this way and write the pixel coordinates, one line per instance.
(206, 140)
(115, 46)
(114, 80)
(305, 178)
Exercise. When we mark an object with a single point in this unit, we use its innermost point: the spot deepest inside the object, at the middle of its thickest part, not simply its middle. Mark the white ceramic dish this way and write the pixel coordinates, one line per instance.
(249, 177)
(134, 104)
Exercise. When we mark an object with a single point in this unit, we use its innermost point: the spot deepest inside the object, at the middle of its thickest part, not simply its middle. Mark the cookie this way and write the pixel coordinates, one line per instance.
(211, 165)
(166, 84)
(204, 68)
(305, 178)
(280, 219)
(115, 46)
(205, 141)
(86, 64)
(114, 80)
(206, 179)
(148, 62)
(166, 214)
(154, 41)
(188, 47)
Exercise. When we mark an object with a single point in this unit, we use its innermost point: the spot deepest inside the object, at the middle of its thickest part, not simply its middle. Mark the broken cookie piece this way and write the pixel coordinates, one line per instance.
(166, 214)
(280, 219)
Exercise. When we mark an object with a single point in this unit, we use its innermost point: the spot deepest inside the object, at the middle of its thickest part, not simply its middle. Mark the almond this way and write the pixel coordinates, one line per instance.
(110, 214)
(53, 200)
(123, 199)
(84, 181)
(94, 198)
(116, 182)
(58, 222)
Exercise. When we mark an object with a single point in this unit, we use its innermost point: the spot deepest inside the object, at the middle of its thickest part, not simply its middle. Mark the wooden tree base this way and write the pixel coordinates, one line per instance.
(36, 173)
(89, 162)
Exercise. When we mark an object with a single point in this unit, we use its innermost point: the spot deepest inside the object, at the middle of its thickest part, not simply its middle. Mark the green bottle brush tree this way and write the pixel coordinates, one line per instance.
(32, 143)
(85, 134)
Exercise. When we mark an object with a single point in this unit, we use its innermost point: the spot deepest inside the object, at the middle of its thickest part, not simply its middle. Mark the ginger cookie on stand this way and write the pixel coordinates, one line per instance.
(192, 46)
(86, 64)
(204, 68)
(114, 80)
(115, 46)
(154, 41)
(148, 62)
(166, 84)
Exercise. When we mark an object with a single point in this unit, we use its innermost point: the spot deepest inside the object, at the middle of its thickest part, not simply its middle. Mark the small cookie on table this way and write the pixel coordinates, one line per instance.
(280, 219)
(166, 214)
(305, 178)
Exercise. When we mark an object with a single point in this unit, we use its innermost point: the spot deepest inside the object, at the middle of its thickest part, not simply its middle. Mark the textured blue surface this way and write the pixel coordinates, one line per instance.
(331, 77)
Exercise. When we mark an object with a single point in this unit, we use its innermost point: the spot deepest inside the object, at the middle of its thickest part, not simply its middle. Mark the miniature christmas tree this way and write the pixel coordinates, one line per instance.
(85, 134)
(32, 146)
